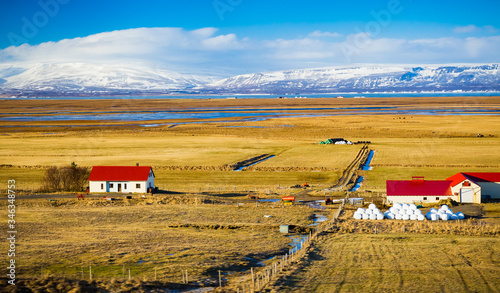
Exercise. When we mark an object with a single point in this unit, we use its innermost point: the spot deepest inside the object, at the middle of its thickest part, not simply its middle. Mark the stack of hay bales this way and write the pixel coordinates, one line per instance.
(404, 211)
(371, 213)
(444, 213)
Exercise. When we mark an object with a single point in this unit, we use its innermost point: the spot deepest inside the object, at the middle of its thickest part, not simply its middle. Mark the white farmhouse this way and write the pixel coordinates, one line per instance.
(124, 179)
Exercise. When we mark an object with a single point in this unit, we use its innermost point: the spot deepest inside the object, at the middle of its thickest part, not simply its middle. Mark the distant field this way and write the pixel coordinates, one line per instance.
(399, 263)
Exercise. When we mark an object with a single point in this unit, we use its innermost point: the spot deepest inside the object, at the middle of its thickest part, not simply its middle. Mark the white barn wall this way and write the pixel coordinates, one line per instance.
(475, 188)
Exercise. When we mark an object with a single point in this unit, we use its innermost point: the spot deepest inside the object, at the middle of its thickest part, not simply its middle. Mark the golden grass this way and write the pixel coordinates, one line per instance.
(75, 234)
(397, 263)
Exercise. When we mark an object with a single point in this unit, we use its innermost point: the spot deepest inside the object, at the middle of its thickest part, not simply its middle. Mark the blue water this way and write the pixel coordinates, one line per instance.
(245, 114)
(270, 200)
(358, 184)
(241, 168)
(366, 166)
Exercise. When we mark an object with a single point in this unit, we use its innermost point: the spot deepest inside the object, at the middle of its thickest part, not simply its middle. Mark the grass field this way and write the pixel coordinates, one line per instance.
(189, 161)
(201, 238)
(399, 263)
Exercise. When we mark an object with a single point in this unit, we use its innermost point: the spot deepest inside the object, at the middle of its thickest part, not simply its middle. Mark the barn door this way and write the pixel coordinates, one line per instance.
(119, 187)
(466, 195)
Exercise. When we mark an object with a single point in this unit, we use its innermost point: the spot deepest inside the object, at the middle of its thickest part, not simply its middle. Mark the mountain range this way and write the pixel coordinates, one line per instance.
(74, 79)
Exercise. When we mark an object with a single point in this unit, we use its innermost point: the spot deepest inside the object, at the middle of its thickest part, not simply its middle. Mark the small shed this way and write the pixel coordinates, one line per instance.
(124, 179)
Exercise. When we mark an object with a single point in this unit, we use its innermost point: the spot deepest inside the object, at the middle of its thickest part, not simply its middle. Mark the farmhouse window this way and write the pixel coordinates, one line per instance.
(102, 186)
(466, 183)
(425, 198)
(125, 186)
(138, 185)
(437, 197)
(111, 185)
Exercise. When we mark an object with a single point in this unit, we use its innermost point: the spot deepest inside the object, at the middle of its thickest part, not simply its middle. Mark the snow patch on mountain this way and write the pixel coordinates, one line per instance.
(87, 78)
(366, 78)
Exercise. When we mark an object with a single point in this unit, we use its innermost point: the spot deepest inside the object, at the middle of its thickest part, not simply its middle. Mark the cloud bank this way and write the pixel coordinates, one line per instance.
(205, 50)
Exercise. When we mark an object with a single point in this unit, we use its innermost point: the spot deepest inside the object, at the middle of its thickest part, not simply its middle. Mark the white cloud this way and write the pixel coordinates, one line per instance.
(466, 29)
(206, 51)
(319, 34)
(474, 29)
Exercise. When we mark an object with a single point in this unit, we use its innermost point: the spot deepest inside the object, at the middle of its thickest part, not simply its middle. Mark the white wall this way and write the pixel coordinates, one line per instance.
(475, 188)
(95, 186)
(126, 186)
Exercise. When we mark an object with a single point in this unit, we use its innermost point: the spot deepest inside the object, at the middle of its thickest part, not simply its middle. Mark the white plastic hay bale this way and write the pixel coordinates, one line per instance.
(410, 212)
(397, 205)
(453, 217)
(420, 217)
(390, 216)
(372, 206)
(445, 217)
(394, 210)
(413, 206)
(373, 217)
(405, 206)
(460, 215)
(418, 212)
(380, 216)
(450, 212)
(369, 212)
(428, 215)
(365, 216)
(444, 207)
(361, 210)
(399, 217)
(413, 217)
(434, 217)
(433, 210)
(358, 216)
(406, 217)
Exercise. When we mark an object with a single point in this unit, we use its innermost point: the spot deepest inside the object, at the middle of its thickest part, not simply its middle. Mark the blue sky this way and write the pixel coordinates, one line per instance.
(254, 34)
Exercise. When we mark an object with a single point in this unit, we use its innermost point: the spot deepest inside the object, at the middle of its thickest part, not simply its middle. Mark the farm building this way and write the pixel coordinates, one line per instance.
(126, 179)
(418, 190)
(472, 187)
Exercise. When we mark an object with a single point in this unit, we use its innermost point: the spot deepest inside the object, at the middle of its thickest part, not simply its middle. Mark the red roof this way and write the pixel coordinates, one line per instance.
(120, 173)
(475, 177)
(418, 187)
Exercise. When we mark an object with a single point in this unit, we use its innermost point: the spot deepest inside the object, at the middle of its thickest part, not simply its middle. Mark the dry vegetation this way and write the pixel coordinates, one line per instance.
(398, 263)
(186, 231)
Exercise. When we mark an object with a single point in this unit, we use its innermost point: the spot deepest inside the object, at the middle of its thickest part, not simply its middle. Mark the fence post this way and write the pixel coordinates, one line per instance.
(90, 273)
(253, 281)
(220, 281)
(129, 275)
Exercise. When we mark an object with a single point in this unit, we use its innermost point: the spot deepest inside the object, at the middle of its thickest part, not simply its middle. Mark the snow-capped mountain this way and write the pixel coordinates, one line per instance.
(84, 78)
(92, 79)
(366, 79)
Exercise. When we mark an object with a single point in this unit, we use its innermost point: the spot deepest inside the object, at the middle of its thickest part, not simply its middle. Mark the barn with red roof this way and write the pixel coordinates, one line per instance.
(125, 179)
(474, 186)
(418, 190)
